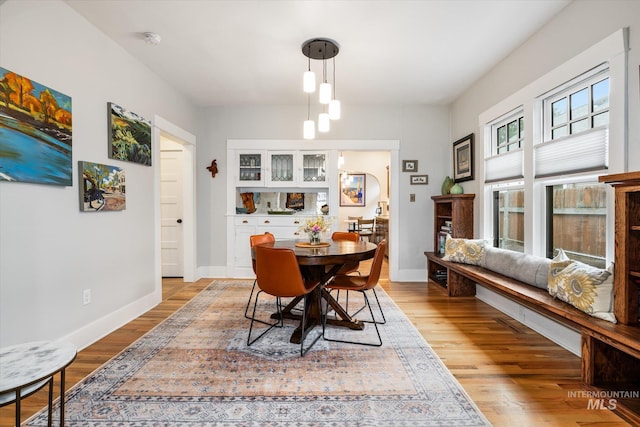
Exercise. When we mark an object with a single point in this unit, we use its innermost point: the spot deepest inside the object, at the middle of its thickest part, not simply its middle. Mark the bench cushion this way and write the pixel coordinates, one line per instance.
(526, 268)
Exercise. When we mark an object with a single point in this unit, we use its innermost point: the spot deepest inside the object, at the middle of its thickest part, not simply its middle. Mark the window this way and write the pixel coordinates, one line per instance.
(508, 208)
(581, 107)
(508, 135)
(576, 222)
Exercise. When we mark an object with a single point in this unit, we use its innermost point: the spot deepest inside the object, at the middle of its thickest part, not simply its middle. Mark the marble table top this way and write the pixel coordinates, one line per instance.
(27, 363)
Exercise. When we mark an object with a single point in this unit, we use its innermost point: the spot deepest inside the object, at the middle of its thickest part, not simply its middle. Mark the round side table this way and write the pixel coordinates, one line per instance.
(26, 368)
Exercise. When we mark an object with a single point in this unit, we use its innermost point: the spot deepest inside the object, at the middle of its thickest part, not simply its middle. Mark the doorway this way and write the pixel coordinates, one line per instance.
(176, 202)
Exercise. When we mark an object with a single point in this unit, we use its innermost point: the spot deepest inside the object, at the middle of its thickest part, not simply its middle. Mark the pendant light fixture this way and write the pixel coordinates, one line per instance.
(321, 49)
(309, 128)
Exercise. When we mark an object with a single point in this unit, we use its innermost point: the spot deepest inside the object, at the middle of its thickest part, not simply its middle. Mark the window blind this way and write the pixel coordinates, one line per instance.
(576, 153)
(504, 166)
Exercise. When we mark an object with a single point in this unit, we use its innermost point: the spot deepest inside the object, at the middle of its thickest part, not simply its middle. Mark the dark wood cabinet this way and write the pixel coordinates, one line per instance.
(627, 245)
(456, 210)
(452, 214)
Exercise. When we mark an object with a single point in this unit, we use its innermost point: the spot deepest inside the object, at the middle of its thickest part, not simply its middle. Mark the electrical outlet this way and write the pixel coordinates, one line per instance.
(412, 197)
(86, 296)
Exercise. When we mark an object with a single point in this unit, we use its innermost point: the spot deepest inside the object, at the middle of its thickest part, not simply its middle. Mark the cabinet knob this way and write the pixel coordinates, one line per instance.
(179, 221)
(296, 222)
(266, 221)
(245, 221)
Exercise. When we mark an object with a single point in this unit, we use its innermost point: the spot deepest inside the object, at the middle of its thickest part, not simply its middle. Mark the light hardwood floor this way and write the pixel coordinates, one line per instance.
(514, 375)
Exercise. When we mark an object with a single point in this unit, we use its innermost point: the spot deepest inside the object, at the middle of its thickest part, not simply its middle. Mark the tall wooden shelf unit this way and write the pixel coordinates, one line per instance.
(627, 245)
(457, 208)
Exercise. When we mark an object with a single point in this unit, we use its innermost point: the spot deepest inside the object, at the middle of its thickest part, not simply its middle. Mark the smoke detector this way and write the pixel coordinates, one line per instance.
(152, 38)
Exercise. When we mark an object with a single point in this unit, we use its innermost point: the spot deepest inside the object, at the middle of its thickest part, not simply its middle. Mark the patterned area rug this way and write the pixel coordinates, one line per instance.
(195, 369)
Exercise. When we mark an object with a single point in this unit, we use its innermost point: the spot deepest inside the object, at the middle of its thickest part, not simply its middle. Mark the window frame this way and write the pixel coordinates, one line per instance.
(584, 81)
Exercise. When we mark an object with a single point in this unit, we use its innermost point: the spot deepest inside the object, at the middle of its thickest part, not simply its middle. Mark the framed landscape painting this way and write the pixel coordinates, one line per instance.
(129, 136)
(463, 159)
(352, 190)
(102, 187)
(35, 132)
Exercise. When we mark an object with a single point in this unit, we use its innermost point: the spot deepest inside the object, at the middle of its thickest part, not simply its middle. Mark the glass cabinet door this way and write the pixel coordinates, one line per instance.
(250, 169)
(314, 169)
(282, 170)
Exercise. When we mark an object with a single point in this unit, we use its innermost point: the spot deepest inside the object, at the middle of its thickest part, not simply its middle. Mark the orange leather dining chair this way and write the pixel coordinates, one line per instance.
(361, 284)
(350, 237)
(278, 274)
(254, 240)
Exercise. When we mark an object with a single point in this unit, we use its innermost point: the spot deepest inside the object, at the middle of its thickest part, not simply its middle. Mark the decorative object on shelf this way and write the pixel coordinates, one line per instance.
(35, 145)
(446, 185)
(102, 187)
(295, 201)
(213, 168)
(129, 135)
(324, 209)
(352, 190)
(456, 189)
(247, 202)
(320, 48)
(463, 159)
(314, 227)
(419, 179)
(409, 166)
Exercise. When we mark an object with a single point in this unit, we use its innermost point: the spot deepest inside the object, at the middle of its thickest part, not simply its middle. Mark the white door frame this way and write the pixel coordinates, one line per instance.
(188, 141)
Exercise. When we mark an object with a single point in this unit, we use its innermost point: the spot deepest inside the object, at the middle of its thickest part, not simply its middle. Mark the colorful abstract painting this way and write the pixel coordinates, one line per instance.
(35, 132)
(102, 187)
(129, 136)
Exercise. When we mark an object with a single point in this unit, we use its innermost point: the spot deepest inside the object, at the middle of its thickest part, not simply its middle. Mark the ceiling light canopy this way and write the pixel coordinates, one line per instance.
(320, 49)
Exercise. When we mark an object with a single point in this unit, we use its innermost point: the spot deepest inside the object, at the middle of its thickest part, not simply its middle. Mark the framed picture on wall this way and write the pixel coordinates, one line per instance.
(409, 166)
(419, 179)
(463, 159)
(352, 190)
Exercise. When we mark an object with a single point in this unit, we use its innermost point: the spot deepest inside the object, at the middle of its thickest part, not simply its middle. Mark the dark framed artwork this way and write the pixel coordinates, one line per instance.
(102, 187)
(129, 135)
(295, 201)
(419, 179)
(463, 159)
(409, 166)
(352, 190)
(35, 132)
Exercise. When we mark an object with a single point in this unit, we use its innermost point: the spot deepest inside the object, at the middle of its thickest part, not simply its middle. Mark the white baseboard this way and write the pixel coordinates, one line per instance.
(98, 329)
(560, 334)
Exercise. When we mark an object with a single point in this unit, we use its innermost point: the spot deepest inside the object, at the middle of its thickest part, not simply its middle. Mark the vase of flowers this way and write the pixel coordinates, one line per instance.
(314, 227)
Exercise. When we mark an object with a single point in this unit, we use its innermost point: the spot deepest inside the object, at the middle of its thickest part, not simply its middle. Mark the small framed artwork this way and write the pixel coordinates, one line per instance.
(352, 190)
(295, 201)
(129, 135)
(409, 166)
(102, 187)
(419, 179)
(463, 159)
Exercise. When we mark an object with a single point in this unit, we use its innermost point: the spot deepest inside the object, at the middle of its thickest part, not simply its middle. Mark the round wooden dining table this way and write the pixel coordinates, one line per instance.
(320, 263)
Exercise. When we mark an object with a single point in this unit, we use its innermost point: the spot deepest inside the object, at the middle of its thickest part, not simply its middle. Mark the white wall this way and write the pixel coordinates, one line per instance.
(49, 251)
(423, 132)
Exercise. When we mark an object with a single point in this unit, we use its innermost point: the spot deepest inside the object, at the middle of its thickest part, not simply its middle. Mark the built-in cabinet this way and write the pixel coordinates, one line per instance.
(283, 227)
(281, 168)
(627, 245)
(453, 215)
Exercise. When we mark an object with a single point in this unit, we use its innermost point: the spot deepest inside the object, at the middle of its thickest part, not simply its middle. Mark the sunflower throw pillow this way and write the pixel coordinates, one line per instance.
(464, 251)
(587, 288)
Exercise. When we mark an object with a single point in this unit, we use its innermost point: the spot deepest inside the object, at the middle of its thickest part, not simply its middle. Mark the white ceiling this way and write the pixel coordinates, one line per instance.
(248, 52)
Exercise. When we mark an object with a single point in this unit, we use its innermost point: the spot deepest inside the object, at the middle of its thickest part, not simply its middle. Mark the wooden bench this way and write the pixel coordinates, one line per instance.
(610, 358)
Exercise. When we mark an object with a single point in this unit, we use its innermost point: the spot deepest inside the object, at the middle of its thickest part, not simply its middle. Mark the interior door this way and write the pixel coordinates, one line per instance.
(171, 211)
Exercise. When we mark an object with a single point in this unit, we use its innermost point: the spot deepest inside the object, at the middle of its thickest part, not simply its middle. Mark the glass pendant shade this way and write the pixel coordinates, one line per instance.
(309, 82)
(323, 122)
(325, 93)
(309, 130)
(334, 109)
